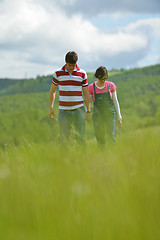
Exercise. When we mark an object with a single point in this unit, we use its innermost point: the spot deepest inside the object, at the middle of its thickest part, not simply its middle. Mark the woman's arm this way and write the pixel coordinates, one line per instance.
(116, 104)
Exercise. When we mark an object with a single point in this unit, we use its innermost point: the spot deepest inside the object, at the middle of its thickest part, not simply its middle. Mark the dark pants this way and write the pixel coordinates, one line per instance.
(105, 127)
(69, 118)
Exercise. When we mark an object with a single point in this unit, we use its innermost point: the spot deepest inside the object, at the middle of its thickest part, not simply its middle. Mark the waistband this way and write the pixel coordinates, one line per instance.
(71, 110)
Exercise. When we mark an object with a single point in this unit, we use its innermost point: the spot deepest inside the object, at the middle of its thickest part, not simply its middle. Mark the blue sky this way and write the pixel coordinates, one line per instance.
(111, 22)
(35, 35)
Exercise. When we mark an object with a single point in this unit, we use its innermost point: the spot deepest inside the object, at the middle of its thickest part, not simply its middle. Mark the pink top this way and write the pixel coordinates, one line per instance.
(112, 88)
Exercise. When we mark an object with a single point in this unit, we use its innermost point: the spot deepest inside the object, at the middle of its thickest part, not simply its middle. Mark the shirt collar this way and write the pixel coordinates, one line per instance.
(76, 68)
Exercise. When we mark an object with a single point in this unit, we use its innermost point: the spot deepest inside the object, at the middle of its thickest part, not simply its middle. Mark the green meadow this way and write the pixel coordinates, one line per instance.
(51, 193)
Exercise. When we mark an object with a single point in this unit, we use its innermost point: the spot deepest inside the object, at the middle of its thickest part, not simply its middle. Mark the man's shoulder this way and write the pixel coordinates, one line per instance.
(82, 73)
(60, 72)
(81, 70)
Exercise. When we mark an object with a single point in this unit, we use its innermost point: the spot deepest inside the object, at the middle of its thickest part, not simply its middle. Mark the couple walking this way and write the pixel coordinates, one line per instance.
(73, 88)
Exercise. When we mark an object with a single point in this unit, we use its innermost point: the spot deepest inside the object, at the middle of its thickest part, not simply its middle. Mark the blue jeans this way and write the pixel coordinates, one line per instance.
(69, 118)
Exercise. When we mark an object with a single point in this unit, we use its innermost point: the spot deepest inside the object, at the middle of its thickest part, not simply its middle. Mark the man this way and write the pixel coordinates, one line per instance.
(73, 85)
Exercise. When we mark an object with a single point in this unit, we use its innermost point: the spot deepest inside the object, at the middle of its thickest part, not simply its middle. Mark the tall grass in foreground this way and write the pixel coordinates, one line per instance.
(47, 193)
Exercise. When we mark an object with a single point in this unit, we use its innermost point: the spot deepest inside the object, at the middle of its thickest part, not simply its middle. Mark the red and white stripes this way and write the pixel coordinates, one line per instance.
(70, 87)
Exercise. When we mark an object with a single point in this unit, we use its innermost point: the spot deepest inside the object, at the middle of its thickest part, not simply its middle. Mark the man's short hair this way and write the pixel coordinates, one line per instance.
(71, 57)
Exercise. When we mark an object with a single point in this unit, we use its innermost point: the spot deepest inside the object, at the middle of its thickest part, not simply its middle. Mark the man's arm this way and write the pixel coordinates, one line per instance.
(87, 102)
(52, 94)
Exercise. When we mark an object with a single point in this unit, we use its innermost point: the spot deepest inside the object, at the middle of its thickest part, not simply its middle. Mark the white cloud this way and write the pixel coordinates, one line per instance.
(20, 19)
(35, 40)
(152, 24)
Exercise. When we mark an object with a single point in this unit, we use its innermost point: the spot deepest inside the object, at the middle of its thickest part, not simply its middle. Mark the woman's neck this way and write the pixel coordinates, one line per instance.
(100, 84)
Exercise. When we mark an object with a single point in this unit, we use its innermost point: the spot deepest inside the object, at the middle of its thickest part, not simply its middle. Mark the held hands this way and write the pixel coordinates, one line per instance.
(51, 113)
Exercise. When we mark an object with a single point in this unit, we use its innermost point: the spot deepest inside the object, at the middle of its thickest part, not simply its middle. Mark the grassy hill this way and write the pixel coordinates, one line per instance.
(24, 103)
(50, 193)
(11, 87)
(42, 84)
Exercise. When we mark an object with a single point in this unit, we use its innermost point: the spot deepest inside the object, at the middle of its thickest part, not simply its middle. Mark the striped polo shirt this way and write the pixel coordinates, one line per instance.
(70, 87)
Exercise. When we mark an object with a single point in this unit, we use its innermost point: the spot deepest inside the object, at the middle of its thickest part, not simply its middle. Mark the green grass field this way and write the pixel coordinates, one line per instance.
(51, 193)
(47, 193)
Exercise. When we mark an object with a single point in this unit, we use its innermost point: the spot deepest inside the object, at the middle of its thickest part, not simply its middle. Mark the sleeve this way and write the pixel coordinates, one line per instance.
(90, 89)
(116, 104)
(85, 80)
(113, 87)
(54, 79)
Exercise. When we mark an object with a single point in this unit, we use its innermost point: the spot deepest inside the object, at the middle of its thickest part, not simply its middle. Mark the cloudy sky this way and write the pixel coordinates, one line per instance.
(35, 35)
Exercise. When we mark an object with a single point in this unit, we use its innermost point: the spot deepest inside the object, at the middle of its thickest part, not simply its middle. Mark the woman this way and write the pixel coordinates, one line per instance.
(105, 107)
